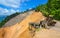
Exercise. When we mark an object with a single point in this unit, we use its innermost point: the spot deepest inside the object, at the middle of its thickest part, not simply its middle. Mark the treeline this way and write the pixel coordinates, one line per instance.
(51, 8)
(8, 18)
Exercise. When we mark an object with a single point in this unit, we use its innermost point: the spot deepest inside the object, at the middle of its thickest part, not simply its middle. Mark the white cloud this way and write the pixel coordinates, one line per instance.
(7, 12)
(30, 8)
(3, 11)
(12, 3)
(17, 11)
(24, 0)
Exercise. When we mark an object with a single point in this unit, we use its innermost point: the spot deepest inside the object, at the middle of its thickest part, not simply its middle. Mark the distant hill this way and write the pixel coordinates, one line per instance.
(7, 18)
(2, 17)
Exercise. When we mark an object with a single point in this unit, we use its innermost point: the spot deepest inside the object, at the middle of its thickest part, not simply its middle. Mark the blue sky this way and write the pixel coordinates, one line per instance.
(8, 7)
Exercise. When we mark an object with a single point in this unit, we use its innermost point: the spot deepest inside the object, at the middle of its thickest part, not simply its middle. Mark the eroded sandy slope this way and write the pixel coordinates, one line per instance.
(20, 30)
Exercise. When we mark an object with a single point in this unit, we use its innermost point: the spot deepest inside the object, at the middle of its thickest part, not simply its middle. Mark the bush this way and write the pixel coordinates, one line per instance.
(51, 8)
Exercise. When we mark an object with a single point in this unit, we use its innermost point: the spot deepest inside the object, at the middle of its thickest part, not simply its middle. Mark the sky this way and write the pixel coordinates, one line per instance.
(8, 7)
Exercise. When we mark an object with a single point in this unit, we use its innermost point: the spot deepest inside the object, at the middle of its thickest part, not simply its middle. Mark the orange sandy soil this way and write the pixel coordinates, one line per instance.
(20, 30)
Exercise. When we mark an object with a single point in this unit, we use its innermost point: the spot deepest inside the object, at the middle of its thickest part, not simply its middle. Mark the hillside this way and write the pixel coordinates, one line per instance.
(20, 29)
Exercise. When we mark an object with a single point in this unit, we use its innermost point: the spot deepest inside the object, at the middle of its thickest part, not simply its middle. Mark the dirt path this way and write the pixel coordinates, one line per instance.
(53, 32)
(45, 33)
(57, 26)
